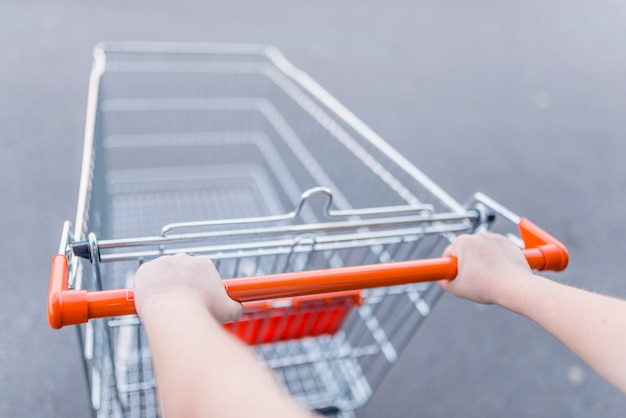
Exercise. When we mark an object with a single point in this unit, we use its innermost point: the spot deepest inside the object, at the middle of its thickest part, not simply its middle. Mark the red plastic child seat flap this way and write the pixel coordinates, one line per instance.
(293, 318)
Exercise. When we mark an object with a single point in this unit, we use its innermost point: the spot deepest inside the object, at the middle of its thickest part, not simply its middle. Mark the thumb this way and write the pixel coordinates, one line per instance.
(237, 310)
(231, 310)
(445, 284)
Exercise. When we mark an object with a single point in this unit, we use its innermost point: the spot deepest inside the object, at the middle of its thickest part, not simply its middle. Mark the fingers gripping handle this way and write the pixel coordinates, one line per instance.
(70, 307)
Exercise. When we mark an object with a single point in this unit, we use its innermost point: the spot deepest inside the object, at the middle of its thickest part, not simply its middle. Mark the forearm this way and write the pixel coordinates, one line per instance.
(591, 325)
(201, 370)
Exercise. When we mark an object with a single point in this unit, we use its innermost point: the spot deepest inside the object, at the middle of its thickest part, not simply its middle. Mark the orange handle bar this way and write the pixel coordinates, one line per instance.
(70, 307)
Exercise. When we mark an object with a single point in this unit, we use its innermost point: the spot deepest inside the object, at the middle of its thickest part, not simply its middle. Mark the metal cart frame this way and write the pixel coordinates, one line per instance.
(323, 230)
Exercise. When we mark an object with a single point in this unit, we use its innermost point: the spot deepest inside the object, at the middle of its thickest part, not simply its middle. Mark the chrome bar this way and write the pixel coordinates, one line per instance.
(394, 222)
(65, 238)
(298, 210)
(497, 207)
(281, 247)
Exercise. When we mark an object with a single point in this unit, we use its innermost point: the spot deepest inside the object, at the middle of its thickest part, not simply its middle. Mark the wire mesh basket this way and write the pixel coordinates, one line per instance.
(229, 151)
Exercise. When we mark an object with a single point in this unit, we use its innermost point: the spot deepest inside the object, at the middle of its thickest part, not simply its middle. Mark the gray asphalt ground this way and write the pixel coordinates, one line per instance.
(525, 101)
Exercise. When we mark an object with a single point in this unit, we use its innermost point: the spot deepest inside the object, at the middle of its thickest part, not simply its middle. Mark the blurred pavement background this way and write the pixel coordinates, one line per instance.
(525, 101)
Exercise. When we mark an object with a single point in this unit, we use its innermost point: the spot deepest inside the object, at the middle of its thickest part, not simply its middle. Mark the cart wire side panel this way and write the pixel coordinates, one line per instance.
(228, 151)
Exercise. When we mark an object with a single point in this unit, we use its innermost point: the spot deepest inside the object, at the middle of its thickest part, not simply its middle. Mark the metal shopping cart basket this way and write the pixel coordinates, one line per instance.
(322, 229)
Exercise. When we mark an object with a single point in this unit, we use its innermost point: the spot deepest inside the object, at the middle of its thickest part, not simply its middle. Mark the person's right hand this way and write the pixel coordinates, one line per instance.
(489, 266)
(183, 279)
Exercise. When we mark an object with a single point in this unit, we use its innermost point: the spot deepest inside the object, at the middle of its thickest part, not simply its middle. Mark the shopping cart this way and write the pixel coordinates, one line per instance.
(325, 232)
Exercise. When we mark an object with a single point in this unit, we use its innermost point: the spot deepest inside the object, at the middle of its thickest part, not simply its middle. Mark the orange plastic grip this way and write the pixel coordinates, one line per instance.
(65, 307)
(543, 251)
(340, 279)
(69, 307)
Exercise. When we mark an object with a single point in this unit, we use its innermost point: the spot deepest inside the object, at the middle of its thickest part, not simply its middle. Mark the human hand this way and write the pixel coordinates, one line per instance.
(185, 279)
(489, 267)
